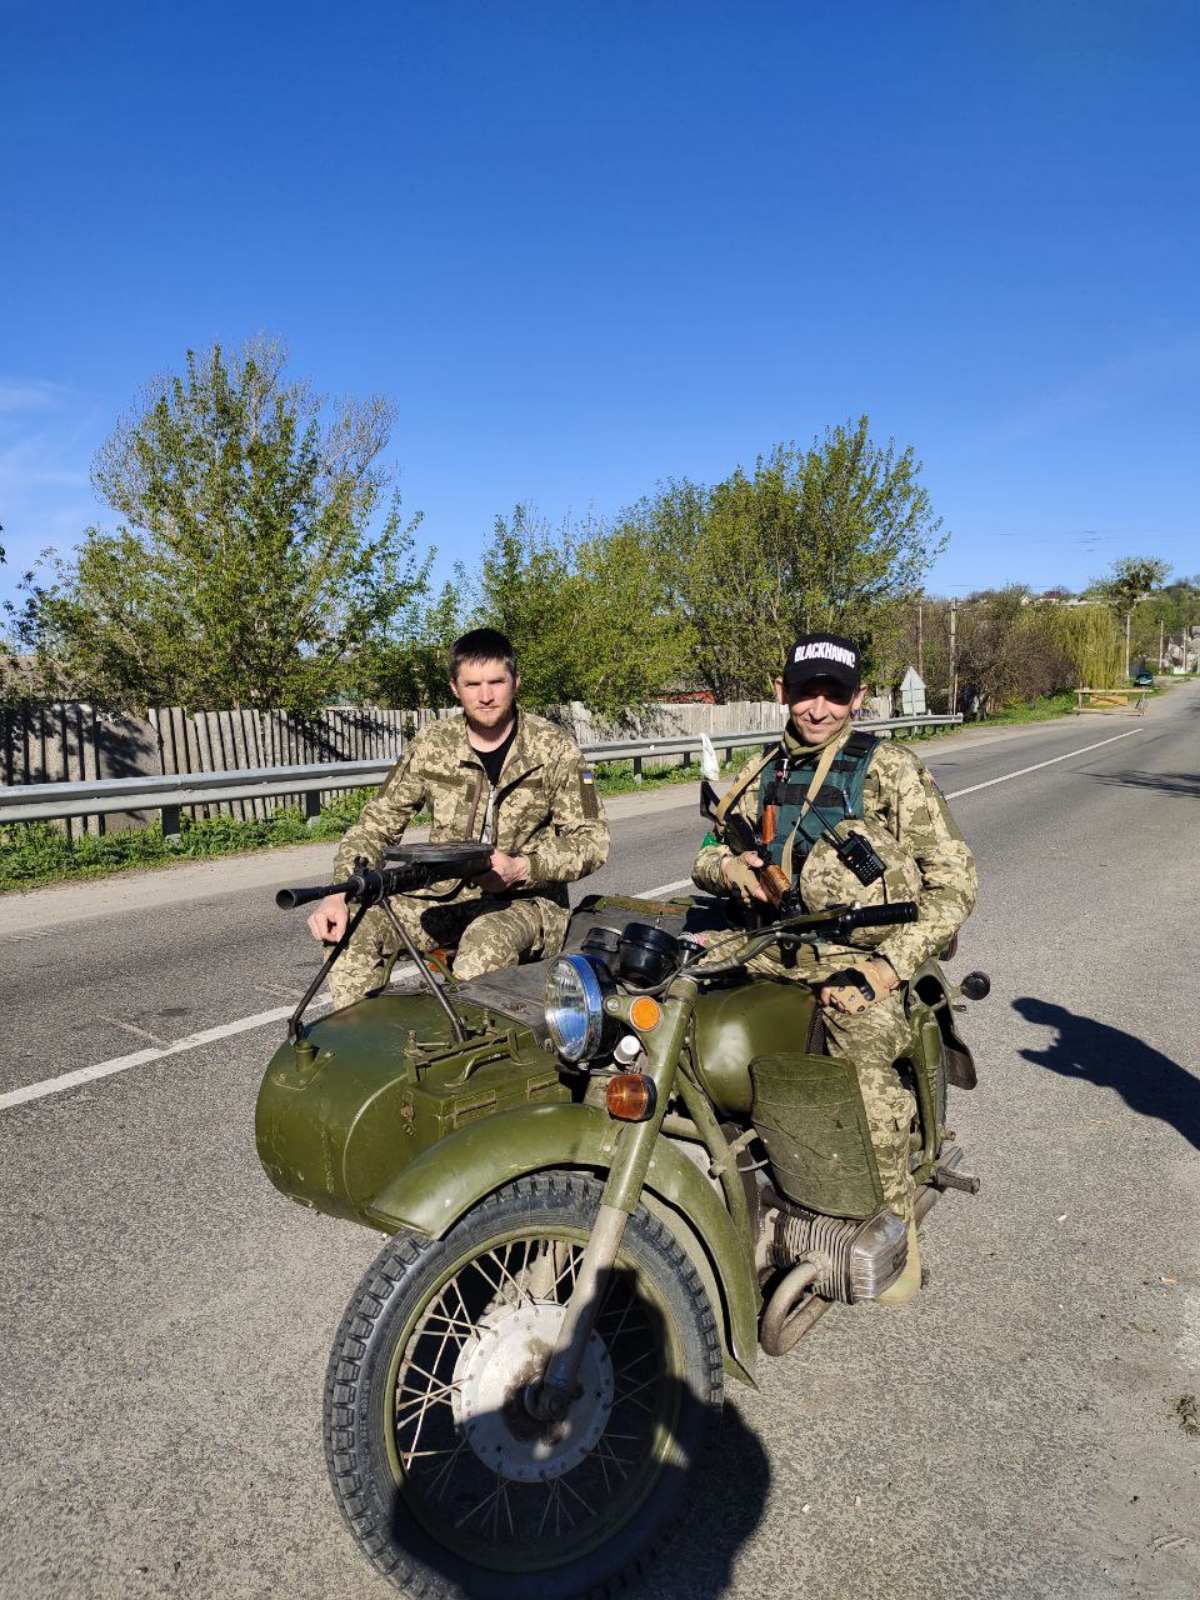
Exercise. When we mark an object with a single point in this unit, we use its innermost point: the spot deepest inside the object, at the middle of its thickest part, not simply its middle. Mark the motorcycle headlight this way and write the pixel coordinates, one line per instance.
(575, 992)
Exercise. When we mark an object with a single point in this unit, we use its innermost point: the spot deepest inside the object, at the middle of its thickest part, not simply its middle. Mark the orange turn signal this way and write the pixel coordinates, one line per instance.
(630, 1096)
(645, 1013)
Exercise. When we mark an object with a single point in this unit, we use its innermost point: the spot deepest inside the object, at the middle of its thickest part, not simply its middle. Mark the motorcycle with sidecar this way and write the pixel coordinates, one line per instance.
(608, 1180)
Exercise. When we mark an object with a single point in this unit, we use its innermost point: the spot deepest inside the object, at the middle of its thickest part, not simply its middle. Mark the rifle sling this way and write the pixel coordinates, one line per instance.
(721, 810)
(814, 788)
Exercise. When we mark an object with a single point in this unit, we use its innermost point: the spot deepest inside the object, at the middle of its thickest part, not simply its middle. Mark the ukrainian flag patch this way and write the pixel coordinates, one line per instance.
(589, 800)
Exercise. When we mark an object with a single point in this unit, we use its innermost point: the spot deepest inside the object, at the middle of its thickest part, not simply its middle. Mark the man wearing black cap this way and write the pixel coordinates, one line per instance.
(823, 784)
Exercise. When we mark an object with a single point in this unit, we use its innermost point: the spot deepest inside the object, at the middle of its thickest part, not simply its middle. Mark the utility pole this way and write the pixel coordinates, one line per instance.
(1161, 626)
(1128, 620)
(920, 638)
(953, 657)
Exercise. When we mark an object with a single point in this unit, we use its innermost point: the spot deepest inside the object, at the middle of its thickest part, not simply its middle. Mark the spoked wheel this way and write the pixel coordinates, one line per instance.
(445, 1475)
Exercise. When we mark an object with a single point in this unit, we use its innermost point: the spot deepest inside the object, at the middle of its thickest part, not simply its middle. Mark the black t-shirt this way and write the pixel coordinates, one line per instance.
(493, 760)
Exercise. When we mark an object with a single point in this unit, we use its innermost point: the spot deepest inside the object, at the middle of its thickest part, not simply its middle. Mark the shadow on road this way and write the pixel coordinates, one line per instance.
(1187, 783)
(726, 1501)
(1150, 1083)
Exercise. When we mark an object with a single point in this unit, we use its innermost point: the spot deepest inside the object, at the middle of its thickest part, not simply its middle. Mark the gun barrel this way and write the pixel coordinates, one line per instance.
(289, 899)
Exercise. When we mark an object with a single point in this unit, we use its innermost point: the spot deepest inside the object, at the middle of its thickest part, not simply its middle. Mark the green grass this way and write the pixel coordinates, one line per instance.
(33, 853)
(1046, 705)
(617, 777)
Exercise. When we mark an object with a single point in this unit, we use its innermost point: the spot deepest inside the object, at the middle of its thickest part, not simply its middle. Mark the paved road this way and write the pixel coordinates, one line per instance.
(166, 1314)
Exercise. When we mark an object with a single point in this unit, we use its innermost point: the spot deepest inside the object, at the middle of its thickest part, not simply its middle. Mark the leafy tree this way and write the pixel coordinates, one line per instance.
(1130, 580)
(1164, 616)
(1092, 641)
(258, 550)
(831, 537)
(407, 666)
(584, 611)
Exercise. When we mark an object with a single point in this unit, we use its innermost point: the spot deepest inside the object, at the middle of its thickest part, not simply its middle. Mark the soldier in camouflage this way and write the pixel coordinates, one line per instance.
(905, 819)
(496, 774)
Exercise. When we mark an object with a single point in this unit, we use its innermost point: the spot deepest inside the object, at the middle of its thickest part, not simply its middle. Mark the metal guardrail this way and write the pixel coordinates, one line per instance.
(44, 802)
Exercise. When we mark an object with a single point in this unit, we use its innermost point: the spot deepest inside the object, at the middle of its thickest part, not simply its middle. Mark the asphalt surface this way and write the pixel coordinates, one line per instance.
(166, 1314)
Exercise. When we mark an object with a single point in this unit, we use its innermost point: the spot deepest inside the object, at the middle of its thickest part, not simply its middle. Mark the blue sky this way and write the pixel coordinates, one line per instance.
(585, 247)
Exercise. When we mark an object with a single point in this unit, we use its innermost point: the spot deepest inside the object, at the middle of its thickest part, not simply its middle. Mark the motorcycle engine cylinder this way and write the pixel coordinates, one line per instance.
(858, 1260)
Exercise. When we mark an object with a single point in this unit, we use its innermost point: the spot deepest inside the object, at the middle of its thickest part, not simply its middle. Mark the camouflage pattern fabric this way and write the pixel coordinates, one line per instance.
(873, 1040)
(906, 817)
(544, 807)
(904, 808)
(489, 932)
(826, 881)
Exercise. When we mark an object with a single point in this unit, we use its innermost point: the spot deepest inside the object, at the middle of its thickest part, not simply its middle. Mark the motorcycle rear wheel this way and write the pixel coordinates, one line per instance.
(445, 1479)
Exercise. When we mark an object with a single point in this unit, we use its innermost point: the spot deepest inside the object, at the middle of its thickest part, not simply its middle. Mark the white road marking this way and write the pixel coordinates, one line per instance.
(1038, 765)
(132, 1027)
(139, 1058)
(663, 888)
(228, 1030)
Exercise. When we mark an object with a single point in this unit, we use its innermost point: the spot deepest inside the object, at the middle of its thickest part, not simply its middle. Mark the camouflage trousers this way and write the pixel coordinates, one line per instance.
(489, 933)
(872, 1040)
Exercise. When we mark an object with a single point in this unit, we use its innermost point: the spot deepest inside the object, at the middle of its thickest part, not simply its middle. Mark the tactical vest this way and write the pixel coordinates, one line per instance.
(784, 785)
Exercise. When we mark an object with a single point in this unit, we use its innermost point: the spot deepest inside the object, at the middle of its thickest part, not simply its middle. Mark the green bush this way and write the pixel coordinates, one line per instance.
(37, 852)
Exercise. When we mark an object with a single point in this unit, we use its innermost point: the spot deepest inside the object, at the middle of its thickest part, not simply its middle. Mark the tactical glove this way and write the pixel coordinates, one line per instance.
(742, 879)
(855, 988)
(849, 991)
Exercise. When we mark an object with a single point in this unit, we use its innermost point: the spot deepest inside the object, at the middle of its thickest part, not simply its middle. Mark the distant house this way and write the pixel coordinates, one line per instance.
(679, 695)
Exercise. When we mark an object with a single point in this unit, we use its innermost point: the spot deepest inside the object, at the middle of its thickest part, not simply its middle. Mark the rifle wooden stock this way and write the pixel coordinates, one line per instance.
(774, 881)
(768, 825)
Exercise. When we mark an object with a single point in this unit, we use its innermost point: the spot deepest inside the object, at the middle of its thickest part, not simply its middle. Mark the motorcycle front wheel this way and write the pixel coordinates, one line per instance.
(445, 1477)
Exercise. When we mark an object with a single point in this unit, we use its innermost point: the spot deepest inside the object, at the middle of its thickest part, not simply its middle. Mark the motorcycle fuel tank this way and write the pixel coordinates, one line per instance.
(736, 1025)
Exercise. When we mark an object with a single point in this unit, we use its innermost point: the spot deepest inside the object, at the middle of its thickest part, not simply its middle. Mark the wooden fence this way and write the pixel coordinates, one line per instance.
(69, 741)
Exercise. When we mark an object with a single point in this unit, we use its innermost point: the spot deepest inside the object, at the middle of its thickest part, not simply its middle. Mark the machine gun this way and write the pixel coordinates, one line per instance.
(413, 866)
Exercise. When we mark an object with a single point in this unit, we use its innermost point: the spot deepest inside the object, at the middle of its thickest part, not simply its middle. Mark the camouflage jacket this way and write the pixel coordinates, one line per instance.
(900, 798)
(545, 807)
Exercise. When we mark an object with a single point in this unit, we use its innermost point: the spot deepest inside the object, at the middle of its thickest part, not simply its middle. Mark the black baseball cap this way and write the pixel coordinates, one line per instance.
(823, 655)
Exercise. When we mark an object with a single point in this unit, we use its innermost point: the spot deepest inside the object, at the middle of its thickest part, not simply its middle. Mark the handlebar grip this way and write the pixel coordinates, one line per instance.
(880, 916)
(289, 899)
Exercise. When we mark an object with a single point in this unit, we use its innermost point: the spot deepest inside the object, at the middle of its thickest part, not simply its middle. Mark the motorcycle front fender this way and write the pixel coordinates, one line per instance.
(440, 1186)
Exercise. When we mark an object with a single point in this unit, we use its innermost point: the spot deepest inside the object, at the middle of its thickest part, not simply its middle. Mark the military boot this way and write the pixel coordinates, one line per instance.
(908, 1284)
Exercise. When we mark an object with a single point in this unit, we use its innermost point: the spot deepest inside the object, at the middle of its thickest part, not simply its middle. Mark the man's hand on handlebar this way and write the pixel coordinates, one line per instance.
(328, 922)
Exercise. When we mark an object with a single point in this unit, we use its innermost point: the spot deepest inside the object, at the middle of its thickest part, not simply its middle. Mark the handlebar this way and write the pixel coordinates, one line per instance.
(811, 927)
(875, 916)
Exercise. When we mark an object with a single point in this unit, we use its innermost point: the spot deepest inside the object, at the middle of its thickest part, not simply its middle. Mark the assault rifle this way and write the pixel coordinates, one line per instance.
(744, 839)
(854, 852)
